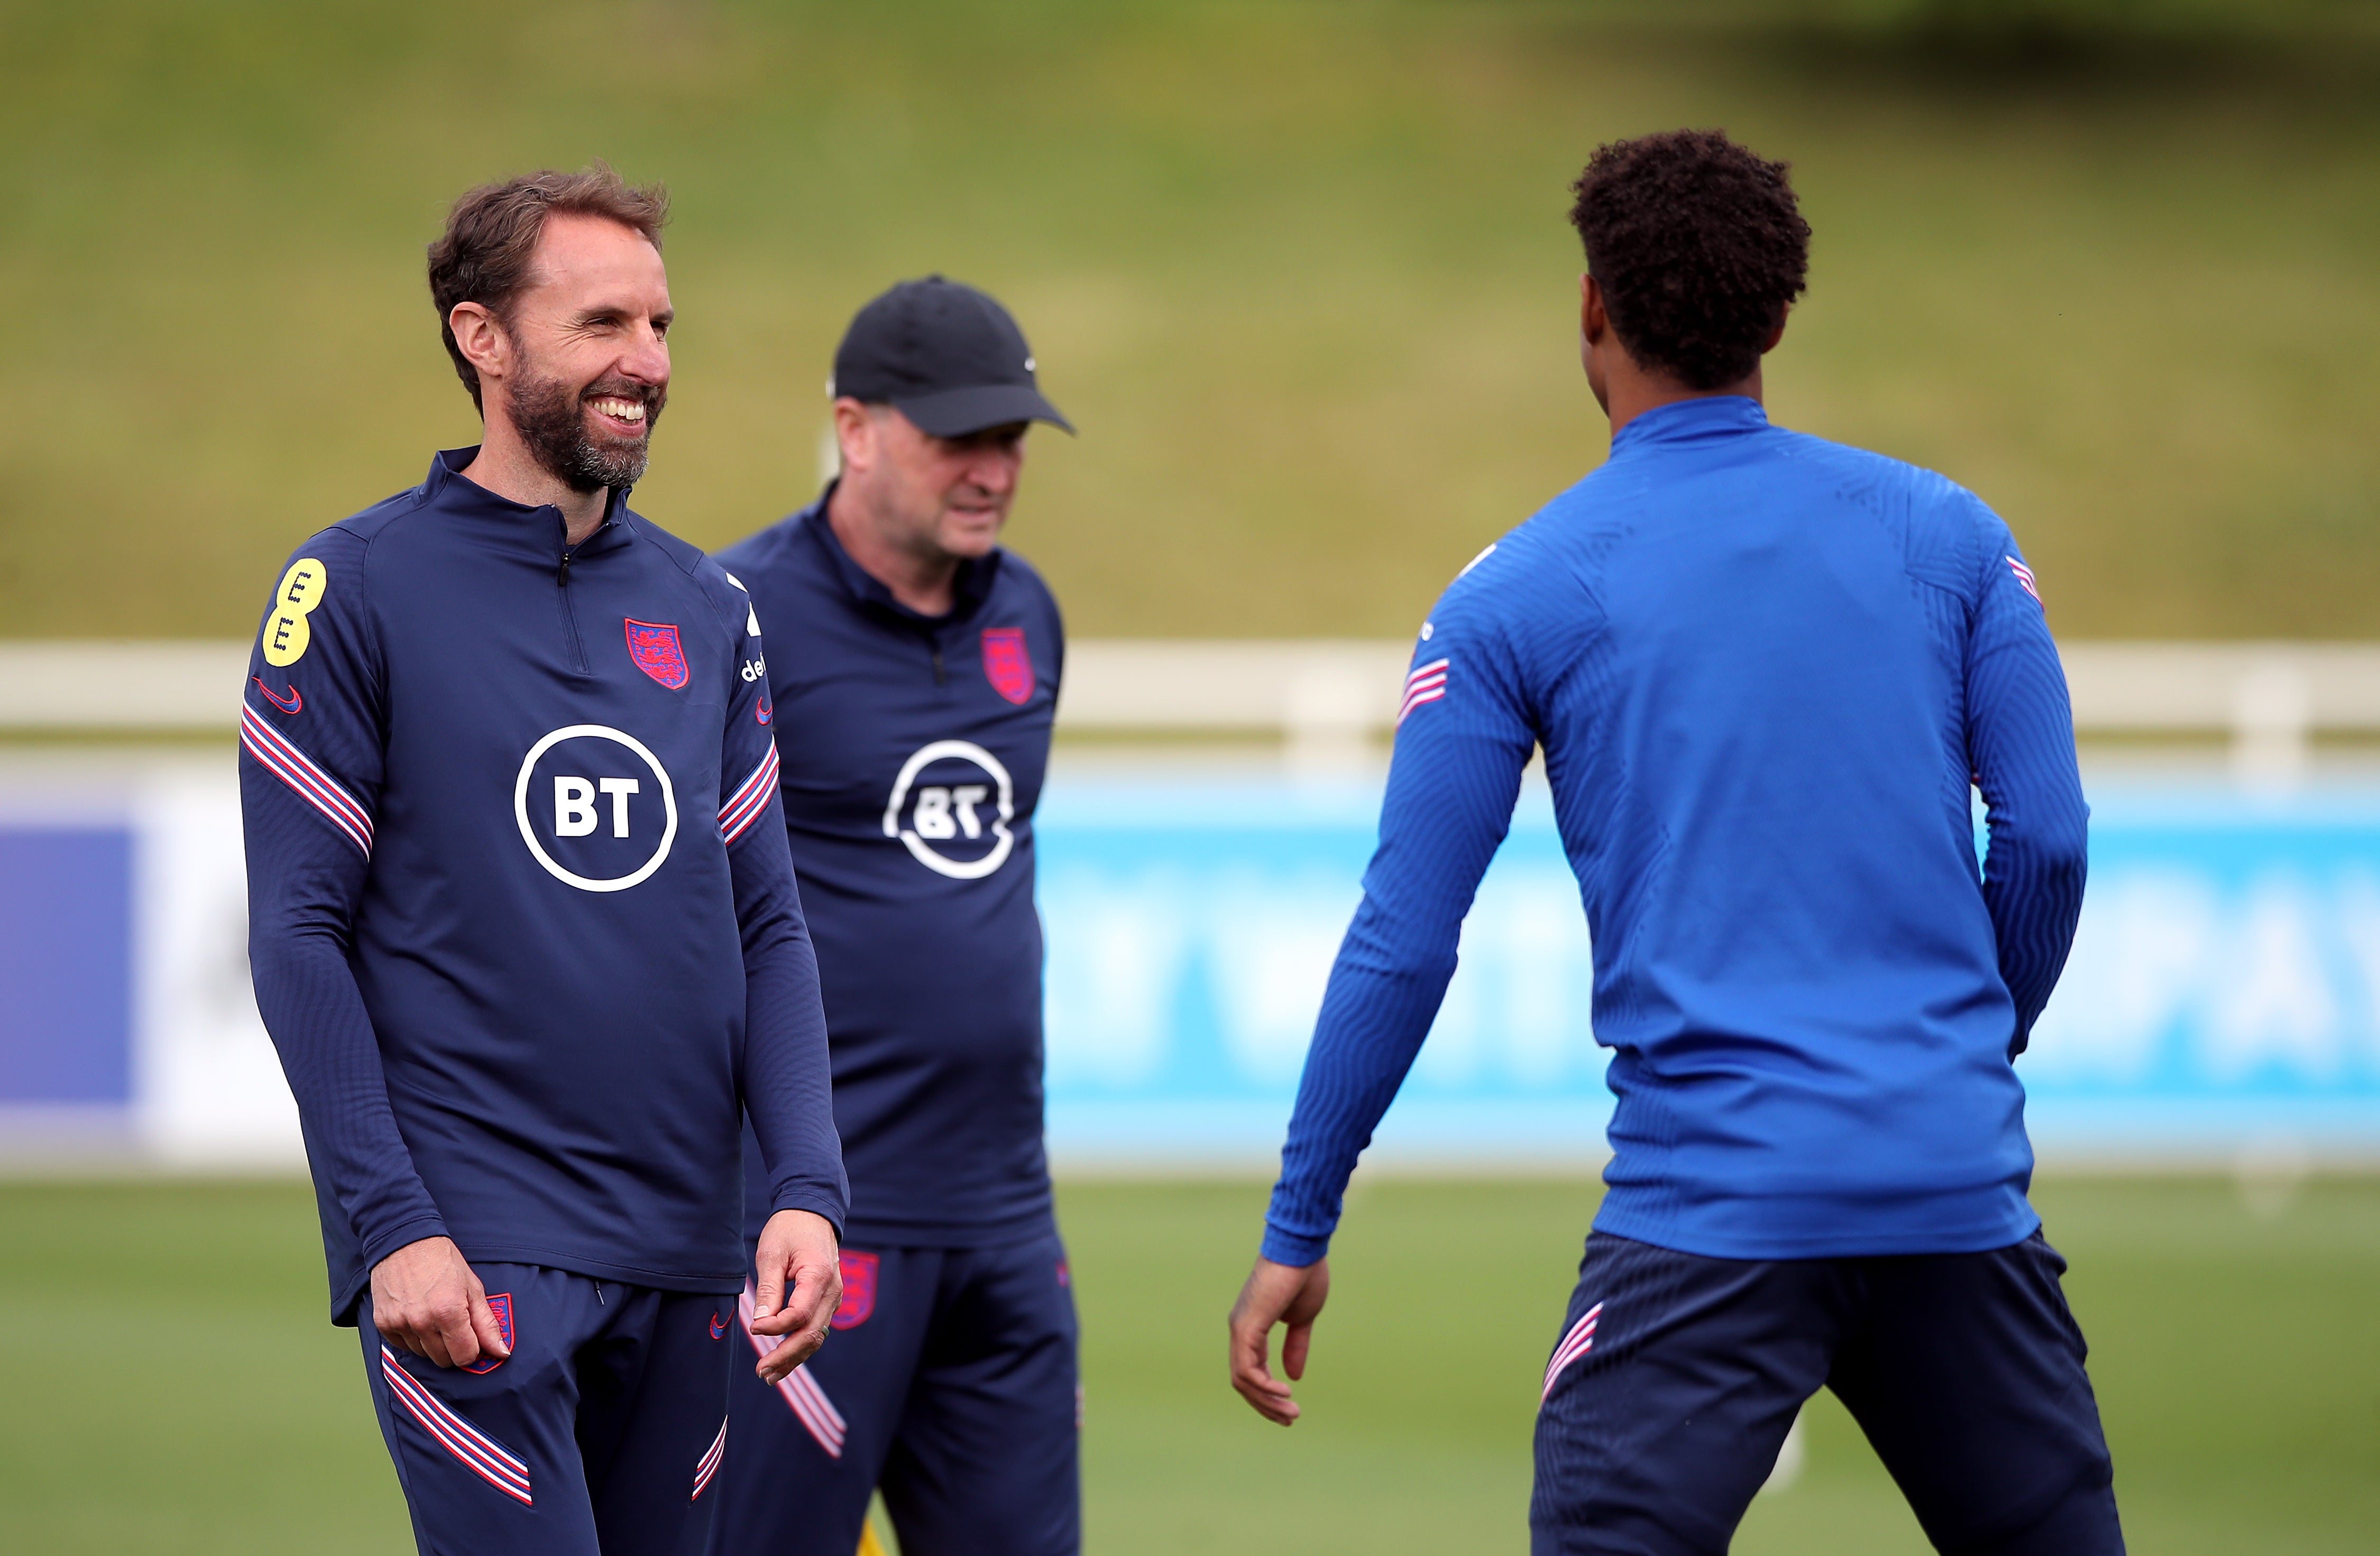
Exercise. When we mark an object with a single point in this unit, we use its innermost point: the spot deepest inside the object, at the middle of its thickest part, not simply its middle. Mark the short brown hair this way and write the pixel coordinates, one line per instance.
(1699, 247)
(483, 255)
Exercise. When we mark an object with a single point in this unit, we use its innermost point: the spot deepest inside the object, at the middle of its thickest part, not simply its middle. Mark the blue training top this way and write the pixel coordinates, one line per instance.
(522, 920)
(1764, 670)
(914, 749)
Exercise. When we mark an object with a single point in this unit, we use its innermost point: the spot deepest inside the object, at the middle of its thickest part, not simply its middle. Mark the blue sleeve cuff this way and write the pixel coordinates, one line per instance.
(381, 1244)
(1293, 1249)
(817, 1203)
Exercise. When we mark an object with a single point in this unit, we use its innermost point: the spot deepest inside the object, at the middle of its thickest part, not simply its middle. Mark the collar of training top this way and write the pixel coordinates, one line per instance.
(1705, 416)
(449, 489)
(968, 590)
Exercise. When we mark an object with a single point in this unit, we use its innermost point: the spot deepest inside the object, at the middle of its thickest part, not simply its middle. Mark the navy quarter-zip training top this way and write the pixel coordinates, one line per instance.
(914, 749)
(522, 920)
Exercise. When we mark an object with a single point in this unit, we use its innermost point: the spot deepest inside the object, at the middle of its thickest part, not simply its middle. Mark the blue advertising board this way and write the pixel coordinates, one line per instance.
(2224, 986)
(66, 967)
(2224, 991)
(1191, 930)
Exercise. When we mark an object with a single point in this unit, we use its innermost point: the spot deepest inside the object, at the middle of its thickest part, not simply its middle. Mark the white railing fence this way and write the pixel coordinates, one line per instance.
(1326, 696)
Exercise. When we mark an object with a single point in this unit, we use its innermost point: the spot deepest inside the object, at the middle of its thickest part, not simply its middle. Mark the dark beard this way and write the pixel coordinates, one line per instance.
(550, 417)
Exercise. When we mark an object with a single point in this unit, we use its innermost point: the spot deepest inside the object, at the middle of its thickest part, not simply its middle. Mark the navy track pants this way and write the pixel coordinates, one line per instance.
(948, 1381)
(600, 1436)
(1677, 1377)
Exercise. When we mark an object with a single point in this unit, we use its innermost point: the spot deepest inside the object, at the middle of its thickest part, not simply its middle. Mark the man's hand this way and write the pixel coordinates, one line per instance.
(425, 1299)
(1276, 1293)
(797, 1285)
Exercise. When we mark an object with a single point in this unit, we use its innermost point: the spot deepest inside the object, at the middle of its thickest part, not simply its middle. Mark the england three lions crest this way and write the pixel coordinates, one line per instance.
(655, 648)
(858, 1290)
(499, 1306)
(1006, 664)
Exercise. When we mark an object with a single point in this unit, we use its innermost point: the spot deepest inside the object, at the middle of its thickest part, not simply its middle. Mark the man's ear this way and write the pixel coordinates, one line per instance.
(854, 433)
(1593, 320)
(481, 339)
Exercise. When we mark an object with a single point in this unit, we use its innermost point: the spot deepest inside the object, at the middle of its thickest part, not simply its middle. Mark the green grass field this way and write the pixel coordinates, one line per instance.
(168, 1385)
(1299, 271)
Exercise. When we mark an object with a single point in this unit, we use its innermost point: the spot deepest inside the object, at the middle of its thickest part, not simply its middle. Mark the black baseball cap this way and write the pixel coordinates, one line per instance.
(946, 355)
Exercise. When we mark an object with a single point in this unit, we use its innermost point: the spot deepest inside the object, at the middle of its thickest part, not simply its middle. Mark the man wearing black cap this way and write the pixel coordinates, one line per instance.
(912, 671)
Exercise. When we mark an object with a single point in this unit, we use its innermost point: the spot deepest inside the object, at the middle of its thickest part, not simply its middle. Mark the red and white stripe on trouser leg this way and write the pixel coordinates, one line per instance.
(480, 1453)
(1576, 1343)
(798, 1389)
(709, 1464)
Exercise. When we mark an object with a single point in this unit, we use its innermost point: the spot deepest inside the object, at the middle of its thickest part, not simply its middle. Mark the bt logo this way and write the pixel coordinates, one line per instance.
(950, 814)
(628, 829)
(574, 805)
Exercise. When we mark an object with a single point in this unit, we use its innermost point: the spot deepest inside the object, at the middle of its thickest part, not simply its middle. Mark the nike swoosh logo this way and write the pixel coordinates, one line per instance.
(294, 703)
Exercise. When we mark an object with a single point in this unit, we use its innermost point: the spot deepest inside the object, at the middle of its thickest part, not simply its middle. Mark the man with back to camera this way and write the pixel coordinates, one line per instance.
(524, 927)
(1764, 670)
(916, 671)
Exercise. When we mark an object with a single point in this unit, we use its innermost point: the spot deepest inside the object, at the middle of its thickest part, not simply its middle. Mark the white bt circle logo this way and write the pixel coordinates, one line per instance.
(946, 817)
(602, 800)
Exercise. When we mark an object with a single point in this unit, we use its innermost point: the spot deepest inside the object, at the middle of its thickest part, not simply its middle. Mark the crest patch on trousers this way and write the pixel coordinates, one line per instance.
(501, 1305)
(858, 1291)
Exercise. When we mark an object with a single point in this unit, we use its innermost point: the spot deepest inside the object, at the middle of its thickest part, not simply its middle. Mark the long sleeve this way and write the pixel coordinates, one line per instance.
(787, 1086)
(1463, 740)
(2020, 742)
(309, 780)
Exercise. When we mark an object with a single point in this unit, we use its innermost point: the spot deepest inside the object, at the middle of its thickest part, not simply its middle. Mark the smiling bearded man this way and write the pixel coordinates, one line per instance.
(525, 928)
(553, 415)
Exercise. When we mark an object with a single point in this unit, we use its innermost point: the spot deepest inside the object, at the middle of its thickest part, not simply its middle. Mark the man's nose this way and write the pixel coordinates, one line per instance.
(995, 470)
(647, 359)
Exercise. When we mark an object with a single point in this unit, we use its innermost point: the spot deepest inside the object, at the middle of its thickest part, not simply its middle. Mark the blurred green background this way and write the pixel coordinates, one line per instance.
(167, 1385)
(1299, 271)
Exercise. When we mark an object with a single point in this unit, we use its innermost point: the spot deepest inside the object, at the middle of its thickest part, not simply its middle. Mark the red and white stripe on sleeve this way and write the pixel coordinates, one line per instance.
(744, 807)
(1426, 684)
(2024, 578)
(280, 756)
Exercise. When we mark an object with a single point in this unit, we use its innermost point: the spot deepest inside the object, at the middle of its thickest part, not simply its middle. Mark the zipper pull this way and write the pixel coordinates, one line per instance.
(937, 665)
(561, 576)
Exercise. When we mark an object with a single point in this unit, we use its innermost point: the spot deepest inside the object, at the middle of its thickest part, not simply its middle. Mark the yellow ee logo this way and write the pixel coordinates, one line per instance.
(286, 632)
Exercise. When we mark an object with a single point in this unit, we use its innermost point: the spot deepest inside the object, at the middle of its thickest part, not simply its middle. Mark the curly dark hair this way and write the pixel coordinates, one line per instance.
(483, 256)
(1699, 247)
